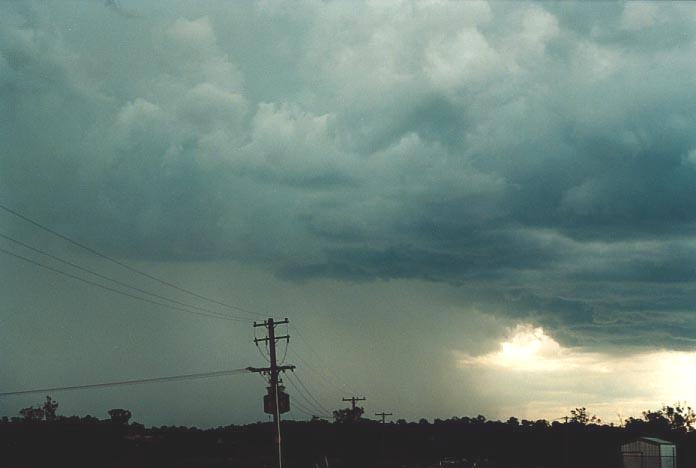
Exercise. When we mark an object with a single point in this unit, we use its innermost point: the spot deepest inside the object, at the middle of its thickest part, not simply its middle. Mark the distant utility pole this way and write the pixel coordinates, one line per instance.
(383, 415)
(352, 402)
(565, 442)
(278, 403)
(565, 438)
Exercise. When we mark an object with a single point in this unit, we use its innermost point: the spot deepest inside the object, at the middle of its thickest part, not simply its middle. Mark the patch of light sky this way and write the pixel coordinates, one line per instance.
(530, 353)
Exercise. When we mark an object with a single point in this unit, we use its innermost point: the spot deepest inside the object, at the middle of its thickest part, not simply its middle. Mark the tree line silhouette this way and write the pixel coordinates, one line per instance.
(39, 436)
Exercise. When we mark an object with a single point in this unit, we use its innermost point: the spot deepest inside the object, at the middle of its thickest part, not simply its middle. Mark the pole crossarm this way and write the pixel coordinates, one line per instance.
(354, 411)
(265, 370)
(353, 400)
(266, 339)
(265, 323)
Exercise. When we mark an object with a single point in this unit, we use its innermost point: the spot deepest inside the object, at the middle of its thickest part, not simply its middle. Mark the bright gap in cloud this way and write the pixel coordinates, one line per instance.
(551, 378)
(531, 349)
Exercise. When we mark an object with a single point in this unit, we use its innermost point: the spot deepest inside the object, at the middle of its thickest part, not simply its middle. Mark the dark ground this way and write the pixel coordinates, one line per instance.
(89, 442)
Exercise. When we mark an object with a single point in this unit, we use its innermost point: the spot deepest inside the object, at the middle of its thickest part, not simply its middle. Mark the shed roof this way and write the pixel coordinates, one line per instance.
(657, 441)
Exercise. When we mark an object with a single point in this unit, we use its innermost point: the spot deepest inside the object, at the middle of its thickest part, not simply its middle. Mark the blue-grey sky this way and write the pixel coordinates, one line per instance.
(450, 200)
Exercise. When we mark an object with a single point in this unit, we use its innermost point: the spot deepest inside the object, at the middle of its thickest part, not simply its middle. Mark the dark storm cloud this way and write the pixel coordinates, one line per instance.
(546, 150)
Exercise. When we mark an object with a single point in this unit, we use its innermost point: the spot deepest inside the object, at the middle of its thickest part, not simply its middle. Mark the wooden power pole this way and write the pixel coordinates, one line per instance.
(278, 400)
(352, 402)
(383, 415)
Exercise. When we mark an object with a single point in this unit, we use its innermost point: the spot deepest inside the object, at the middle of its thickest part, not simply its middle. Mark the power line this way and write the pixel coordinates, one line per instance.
(333, 377)
(313, 406)
(318, 355)
(306, 411)
(122, 264)
(302, 412)
(108, 278)
(319, 404)
(297, 409)
(285, 351)
(323, 378)
(117, 291)
(203, 375)
(263, 354)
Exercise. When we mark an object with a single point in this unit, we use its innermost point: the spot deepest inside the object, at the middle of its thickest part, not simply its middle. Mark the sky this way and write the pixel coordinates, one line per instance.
(462, 207)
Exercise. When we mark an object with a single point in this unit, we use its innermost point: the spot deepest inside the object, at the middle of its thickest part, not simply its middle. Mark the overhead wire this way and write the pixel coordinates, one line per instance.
(201, 375)
(287, 344)
(201, 311)
(118, 291)
(333, 380)
(108, 278)
(309, 393)
(285, 354)
(263, 354)
(323, 378)
(300, 409)
(307, 402)
(307, 411)
(125, 265)
(314, 406)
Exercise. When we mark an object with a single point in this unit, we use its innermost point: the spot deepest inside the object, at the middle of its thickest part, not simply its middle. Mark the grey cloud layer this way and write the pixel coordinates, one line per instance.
(541, 156)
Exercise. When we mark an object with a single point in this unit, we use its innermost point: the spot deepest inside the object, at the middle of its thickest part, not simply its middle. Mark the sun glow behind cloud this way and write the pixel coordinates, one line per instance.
(531, 349)
(552, 378)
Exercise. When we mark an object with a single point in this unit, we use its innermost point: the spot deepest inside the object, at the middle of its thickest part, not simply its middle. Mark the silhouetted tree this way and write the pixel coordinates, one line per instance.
(581, 416)
(46, 411)
(346, 415)
(470, 441)
(119, 416)
(49, 409)
(480, 419)
(668, 418)
(32, 414)
(681, 418)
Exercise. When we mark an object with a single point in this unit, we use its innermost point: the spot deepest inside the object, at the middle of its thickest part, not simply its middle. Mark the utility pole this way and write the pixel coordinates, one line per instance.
(352, 402)
(272, 372)
(383, 415)
(565, 438)
(565, 442)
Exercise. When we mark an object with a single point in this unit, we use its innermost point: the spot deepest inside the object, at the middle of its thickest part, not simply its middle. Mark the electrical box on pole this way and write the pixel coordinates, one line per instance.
(270, 399)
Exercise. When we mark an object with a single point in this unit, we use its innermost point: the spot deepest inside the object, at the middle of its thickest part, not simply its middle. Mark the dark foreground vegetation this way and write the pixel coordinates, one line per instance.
(40, 437)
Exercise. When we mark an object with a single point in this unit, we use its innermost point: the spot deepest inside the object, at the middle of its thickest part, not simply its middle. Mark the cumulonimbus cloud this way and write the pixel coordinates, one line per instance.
(538, 158)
